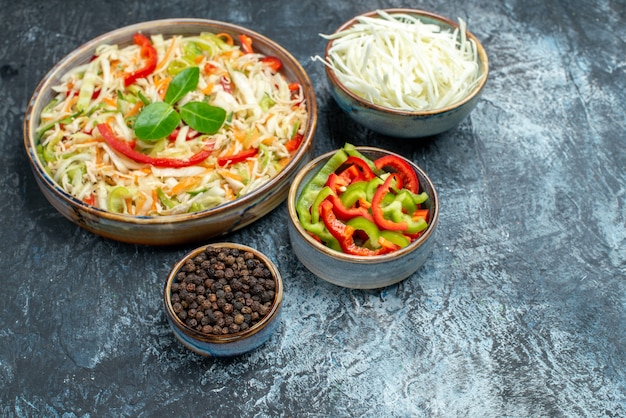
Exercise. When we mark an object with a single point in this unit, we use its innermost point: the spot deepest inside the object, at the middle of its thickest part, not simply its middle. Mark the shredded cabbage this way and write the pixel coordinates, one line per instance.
(264, 111)
(398, 61)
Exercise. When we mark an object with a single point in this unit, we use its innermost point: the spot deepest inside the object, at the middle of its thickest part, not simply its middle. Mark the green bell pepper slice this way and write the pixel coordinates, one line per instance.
(371, 230)
(315, 184)
(116, 202)
(395, 237)
(165, 199)
(352, 151)
(353, 193)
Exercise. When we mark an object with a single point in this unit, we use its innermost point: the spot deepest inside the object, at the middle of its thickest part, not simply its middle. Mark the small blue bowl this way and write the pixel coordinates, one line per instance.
(404, 123)
(225, 345)
(354, 271)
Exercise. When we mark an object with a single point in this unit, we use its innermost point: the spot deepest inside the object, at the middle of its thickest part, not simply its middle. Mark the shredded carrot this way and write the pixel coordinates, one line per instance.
(168, 54)
(226, 173)
(162, 84)
(231, 54)
(185, 184)
(251, 138)
(110, 102)
(155, 198)
(134, 110)
(118, 74)
(226, 38)
(229, 193)
(140, 200)
(98, 155)
(269, 140)
(208, 89)
(283, 163)
(240, 136)
(129, 205)
(93, 141)
(207, 164)
(70, 103)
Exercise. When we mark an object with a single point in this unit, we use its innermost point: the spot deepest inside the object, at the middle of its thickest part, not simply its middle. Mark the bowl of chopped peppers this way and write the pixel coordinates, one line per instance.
(362, 217)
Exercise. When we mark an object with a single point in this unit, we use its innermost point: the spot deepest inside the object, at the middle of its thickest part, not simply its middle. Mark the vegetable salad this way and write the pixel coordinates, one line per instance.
(170, 126)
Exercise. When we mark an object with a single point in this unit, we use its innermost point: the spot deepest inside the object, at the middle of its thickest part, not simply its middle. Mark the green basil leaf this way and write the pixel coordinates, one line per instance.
(203, 117)
(156, 121)
(183, 83)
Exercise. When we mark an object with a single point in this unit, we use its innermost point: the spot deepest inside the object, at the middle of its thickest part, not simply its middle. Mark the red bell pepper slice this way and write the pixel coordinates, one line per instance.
(336, 182)
(402, 168)
(148, 53)
(273, 62)
(363, 168)
(246, 44)
(355, 170)
(350, 174)
(343, 233)
(191, 134)
(125, 149)
(345, 213)
(90, 199)
(208, 68)
(377, 209)
(294, 143)
(237, 158)
(294, 89)
(420, 213)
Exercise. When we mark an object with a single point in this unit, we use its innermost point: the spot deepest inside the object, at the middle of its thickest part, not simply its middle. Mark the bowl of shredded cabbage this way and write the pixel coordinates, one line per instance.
(405, 73)
(170, 131)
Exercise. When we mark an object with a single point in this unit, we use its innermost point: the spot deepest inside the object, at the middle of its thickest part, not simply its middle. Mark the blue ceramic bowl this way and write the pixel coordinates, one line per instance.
(402, 123)
(226, 345)
(361, 272)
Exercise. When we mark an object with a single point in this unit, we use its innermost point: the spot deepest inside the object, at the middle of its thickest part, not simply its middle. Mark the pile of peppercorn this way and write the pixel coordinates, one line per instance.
(222, 290)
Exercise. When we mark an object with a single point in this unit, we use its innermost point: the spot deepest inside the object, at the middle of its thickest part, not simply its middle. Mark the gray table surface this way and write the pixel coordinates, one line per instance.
(520, 310)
